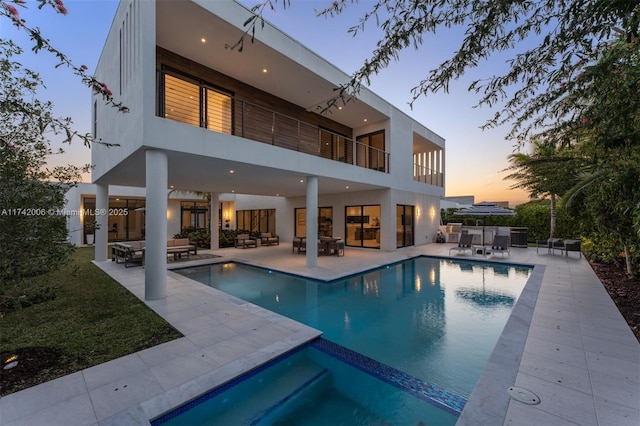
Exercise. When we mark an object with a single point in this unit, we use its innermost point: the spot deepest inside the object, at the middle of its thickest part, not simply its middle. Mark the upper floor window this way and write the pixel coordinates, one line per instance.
(370, 151)
(195, 104)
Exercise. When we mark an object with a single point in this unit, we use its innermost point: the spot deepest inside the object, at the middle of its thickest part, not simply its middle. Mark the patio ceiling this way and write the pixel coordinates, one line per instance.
(200, 173)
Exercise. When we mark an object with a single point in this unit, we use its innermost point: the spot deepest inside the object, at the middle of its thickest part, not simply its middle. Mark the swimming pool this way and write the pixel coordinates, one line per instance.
(320, 383)
(435, 319)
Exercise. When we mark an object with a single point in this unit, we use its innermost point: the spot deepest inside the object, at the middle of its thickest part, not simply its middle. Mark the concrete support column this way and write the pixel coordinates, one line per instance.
(312, 221)
(157, 181)
(214, 225)
(102, 219)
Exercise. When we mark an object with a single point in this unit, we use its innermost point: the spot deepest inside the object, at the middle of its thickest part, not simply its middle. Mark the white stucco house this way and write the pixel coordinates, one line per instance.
(247, 127)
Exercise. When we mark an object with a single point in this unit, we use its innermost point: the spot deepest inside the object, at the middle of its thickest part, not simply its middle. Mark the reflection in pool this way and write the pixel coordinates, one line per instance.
(437, 320)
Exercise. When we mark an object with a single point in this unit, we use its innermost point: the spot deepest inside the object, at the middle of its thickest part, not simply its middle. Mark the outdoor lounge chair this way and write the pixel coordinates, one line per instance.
(500, 245)
(464, 243)
(245, 241)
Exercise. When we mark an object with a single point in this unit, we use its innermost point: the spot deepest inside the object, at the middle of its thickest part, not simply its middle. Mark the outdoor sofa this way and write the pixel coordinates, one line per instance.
(133, 251)
(267, 239)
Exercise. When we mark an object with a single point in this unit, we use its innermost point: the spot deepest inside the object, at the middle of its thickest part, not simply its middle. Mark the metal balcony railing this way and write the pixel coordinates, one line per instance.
(196, 104)
(427, 175)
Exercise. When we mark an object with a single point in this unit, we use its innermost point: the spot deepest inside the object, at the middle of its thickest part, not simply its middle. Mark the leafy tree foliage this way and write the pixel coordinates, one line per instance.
(568, 35)
(572, 81)
(547, 172)
(32, 231)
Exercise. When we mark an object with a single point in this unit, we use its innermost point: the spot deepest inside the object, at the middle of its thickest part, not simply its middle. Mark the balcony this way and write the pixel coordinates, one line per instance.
(427, 175)
(191, 102)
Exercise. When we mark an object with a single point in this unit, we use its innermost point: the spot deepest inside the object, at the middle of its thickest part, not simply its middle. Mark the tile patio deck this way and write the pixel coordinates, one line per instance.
(565, 341)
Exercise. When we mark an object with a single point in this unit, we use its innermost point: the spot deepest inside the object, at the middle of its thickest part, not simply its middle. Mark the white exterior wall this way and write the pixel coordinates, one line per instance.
(113, 126)
(141, 129)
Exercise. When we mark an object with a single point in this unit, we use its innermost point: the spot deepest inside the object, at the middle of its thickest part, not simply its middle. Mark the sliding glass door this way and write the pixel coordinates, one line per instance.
(362, 225)
(404, 225)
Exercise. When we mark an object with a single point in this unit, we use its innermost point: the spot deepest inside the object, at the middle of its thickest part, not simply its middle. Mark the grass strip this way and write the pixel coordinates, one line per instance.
(92, 319)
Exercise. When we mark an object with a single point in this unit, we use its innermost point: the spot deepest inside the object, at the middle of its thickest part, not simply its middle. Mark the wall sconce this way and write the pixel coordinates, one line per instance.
(432, 213)
(226, 219)
(418, 212)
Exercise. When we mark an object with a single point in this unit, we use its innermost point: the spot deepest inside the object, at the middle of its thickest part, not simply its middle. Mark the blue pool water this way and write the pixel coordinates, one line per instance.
(435, 319)
(319, 384)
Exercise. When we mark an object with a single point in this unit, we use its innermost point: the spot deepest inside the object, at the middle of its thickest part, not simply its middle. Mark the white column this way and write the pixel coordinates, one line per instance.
(312, 221)
(102, 219)
(155, 261)
(213, 226)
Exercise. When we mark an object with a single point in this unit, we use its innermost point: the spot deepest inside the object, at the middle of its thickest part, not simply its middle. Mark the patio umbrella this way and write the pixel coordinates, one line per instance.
(484, 210)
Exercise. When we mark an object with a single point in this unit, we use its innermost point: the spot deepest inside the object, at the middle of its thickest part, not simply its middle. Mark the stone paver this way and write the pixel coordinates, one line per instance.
(565, 341)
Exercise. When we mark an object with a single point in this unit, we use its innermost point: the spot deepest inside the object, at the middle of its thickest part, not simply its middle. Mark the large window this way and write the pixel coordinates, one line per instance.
(325, 222)
(194, 215)
(196, 103)
(370, 151)
(129, 222)
(181, 100)
(404, 225)
(263, 220)
(362, 226)
(335, 146)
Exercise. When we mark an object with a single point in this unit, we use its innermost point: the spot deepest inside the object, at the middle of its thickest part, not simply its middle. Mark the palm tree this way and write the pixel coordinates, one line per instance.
(547, 171)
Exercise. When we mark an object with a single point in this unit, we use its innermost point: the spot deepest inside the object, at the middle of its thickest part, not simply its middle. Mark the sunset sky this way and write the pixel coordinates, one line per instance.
(474, 158)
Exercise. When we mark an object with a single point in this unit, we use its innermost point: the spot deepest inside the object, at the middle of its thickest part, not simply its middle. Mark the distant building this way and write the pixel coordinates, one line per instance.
(457, 202)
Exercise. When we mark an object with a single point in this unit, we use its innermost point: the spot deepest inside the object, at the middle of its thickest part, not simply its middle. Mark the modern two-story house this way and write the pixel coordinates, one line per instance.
(249, 128)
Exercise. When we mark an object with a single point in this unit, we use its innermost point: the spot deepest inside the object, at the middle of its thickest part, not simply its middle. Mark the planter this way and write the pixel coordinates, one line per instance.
(90, 239)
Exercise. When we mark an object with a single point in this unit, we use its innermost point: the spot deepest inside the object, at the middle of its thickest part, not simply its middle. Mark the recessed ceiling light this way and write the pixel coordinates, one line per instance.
(231, 171)
(339, 107)
(203, 40)
(171, 186)
(264, 70)
(301, 180)
(365, 120)
(347, 186)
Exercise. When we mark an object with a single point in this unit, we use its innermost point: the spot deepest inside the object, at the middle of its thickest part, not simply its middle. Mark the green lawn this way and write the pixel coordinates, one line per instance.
(91, 320)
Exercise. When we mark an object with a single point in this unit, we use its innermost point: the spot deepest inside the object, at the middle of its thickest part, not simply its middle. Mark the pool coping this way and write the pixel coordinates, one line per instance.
(488, 403)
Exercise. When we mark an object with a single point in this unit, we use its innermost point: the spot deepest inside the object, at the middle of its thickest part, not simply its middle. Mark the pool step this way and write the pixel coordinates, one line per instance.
(303, 395)
(273, 393)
